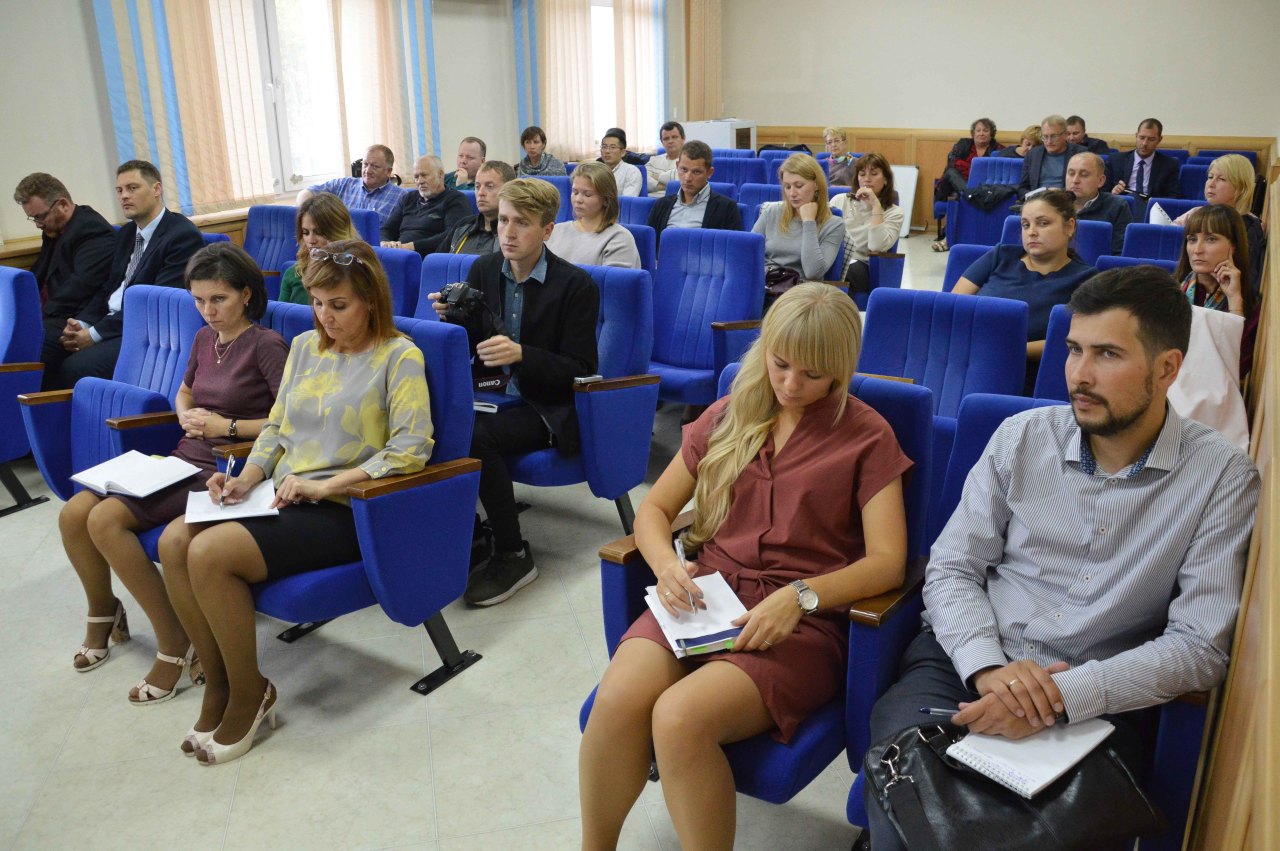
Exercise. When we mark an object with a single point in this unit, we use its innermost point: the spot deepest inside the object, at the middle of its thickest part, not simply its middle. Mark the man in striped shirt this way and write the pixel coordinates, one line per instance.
(1094, 563)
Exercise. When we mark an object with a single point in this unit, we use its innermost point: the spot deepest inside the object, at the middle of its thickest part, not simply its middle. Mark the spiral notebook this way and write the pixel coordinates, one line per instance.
(1028, 765)
(706, 630)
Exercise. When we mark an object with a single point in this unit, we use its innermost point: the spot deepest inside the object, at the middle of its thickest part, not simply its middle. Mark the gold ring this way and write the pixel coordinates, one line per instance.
(1013, 683)
(768, 643)
(669, 594)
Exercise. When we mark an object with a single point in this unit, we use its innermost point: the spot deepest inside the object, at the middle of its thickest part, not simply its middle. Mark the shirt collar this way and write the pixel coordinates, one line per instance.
(1160, 455)
(538, 275)
(149, 231)
(701, 198)
(366, 190)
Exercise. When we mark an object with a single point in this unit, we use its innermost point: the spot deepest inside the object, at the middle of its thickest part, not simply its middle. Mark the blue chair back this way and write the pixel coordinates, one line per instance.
(21, 339)
(635, 211)
(563, 185)
(953, 344)
(1191, 180)
(646, 244)
(448, 367)
(959, 259)
(211, 238)
(1175, 207)
(404, 274)
(471, 196)
(437, 271)
(740, 170)
(730, 153)
(985, 170)
(755, 194)
(748, 213)
(1159, 242)
(1251, 156)
(568, 169)
(1198, 160)
(703, 276)
(1051, 377)
(624, 331)
(1108, 261)
(1093, 239)
(288, 319)
(1179, 154)
(270, 236)
(729, 190)
(368, 225)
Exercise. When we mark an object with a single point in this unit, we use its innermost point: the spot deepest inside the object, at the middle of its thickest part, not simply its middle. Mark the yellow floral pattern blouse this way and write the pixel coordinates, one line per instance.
(336, 411)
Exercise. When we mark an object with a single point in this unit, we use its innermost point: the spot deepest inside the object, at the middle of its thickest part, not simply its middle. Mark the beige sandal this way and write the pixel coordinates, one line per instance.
(119, 635)
(149, 695)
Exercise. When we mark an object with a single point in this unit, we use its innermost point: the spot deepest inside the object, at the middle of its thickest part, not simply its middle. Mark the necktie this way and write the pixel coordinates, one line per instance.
(137, 256)
(1141, 181)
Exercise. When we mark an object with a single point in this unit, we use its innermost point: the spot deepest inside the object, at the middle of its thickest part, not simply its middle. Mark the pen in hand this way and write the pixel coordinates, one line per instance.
(684, 565)
(931, 710)
(226, 482)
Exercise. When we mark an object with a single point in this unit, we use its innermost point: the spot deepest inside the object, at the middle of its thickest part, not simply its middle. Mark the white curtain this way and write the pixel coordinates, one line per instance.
(639, 50)
(564, 77)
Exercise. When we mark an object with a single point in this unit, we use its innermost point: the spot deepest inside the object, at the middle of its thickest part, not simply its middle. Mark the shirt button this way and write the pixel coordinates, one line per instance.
(1057, 615)
(1087, 577)
(1102, 530)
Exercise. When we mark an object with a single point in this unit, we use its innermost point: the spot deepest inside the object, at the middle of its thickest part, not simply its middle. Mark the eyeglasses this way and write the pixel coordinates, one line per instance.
(1052, 137)
(39, 218)
(611, 147)
(344, 258)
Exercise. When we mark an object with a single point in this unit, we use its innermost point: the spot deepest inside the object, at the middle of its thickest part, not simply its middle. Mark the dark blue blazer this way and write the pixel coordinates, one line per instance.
(1162, 182)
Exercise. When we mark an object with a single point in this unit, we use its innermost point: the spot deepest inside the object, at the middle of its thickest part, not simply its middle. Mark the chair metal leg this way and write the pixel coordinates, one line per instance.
(21, 498)
(453, 661)
(626, 513)
(296, 631)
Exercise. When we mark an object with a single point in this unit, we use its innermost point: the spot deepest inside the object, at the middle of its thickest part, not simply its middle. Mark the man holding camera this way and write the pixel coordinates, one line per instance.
(536, 326)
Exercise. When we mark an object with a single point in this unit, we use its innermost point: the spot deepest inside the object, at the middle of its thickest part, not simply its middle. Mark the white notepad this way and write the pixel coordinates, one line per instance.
(706, 630)
(1028, 765)
(135, 474)
(1157, 216)
(257, 503)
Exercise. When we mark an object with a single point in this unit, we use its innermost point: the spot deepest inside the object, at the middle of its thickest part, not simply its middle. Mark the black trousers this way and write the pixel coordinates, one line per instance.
(926, 677)
(52, 354)
(951, 185)
(506, 432)
(97, 361)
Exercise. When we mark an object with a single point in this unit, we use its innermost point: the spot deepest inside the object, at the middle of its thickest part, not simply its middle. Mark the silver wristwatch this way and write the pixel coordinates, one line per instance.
(806, 597)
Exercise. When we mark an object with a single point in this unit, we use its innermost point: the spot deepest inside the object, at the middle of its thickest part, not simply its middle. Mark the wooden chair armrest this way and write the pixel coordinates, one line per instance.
(873, 611)
(21, 367)
(1194, 698)
(888, 255)
(233, 450)
(267, 273)
(898, 378)
(44, 397)
(738, 325)
(142, 420)
(433, 473)
(624, 550)
(616, 383)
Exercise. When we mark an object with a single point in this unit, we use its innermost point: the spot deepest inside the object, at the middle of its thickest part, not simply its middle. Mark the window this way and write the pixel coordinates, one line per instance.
(604, 69)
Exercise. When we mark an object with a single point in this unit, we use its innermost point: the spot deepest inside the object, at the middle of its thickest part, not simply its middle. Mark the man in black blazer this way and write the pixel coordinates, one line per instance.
(545, 310)
(1078, 135)
(153, 248)
(695, 205)
(421, 219)
(1046, 164)
(1145, 170)
(76, 244)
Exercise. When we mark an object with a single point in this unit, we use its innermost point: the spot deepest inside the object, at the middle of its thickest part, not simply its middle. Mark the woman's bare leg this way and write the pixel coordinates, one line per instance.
(90, 566)
(713, 706)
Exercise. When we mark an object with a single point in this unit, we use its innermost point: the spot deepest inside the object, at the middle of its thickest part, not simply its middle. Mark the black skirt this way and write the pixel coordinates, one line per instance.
(305, 537)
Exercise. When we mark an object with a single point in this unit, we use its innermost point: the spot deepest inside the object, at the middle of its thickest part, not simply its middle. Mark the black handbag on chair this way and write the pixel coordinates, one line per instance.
(939, 804)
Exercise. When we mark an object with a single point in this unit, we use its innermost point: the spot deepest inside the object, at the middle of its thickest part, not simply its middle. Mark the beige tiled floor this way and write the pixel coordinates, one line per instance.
(358, 761)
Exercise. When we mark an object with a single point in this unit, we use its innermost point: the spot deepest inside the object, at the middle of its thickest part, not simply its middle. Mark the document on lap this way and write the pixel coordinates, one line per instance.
(257, 503)
(705, 630)
(1027, 766)
(134, 474)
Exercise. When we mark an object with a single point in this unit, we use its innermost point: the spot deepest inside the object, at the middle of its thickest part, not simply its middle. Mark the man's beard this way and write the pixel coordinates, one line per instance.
(1115, 423)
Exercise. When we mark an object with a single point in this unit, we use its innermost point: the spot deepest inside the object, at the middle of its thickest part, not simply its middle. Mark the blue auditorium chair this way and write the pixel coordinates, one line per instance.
(368, 225)
(1156, 242)
(1092, 240)
(21, 339)
(635, 211)
(1191, 180)
(959, 259)
(1179, 154)
(1106, 262)
(439, 270)
(411, 582)
(1175, 207)
(271, 239)
(740, 170)
(1051, 375)
(404, 274)
(615, 415)
(763, 768)
(563, 185)
(730, 153)
(704, 277)
(211, 238)
(953, 344)
(1251, 156)
(1173, 769)
(1200, 160)
(729, 190)
(67, 428)
(471, 197)
(748, 213)
(755, 194)
(646, 244)
(971, 226)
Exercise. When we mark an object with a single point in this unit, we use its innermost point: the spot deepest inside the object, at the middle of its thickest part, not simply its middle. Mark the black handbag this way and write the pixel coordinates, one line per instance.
(779, 279)
(938, 803)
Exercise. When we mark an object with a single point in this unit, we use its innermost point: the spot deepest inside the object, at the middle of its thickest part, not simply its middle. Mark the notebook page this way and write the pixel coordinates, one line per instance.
(1028, 765)
(257, 503)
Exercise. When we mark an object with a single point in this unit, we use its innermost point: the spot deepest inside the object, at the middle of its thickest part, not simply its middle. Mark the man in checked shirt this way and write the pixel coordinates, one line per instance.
(1094, 563)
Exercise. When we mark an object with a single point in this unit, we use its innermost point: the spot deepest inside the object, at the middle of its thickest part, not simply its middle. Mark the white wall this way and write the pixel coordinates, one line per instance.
(1209, 69)
(57, 117)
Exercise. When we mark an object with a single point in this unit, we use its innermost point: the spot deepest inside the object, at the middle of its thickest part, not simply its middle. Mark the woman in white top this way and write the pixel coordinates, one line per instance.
(800, 231)
(594, 237)
(872, 221)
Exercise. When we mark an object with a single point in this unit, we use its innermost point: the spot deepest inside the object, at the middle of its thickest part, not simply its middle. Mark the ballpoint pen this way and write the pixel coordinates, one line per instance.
(231, 466)
(931, 710)
(685, 566)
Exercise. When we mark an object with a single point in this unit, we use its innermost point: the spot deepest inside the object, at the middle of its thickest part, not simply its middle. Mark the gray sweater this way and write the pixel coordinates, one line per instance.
(808, 249)
(613, 246)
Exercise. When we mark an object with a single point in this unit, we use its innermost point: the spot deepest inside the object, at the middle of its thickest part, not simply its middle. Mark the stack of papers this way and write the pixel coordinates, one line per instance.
(134, 474)
(257, 503)
(705, 630)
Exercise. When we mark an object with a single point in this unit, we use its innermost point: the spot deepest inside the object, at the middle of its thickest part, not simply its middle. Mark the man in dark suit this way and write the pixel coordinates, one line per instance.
(76, 245)
(1077, 135)
(153, 248)
(695, 205)
(1046, 165)
(1145, 170)
(546, 311)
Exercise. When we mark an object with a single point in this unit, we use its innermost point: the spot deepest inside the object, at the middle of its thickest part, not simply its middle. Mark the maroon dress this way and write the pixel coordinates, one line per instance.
(794, 516)
(242, 386)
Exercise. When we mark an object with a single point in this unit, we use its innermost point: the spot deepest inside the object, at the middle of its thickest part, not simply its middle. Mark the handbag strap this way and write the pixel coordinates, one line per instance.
(902, 801)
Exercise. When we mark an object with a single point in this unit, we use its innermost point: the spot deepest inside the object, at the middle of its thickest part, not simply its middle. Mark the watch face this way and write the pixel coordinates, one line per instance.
(809, 600)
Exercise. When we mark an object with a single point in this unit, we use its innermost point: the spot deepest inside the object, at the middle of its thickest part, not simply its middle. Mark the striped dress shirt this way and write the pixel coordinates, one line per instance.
(1133, 578)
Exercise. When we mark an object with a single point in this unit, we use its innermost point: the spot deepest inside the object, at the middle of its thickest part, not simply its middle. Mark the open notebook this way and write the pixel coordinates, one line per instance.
(257, 503)
(135, 474)
(1028, 765)
(706, 630)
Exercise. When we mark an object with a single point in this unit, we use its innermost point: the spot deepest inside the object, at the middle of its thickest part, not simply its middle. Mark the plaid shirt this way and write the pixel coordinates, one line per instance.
(352, 192)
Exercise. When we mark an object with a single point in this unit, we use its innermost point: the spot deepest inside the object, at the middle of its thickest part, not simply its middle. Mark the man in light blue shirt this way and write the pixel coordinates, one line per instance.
(373, 190)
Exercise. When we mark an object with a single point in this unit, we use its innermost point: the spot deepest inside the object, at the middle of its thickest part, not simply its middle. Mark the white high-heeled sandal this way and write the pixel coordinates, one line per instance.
(214, 753)
(149, 695)
(119, 635)
(195, 740)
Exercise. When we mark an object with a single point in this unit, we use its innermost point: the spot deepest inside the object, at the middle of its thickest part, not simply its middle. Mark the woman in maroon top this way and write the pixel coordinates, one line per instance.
(231, 381)
(797, 488)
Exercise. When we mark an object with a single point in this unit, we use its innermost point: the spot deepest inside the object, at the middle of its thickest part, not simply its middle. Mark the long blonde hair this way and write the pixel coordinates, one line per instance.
(812, 324)
(806, 167)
